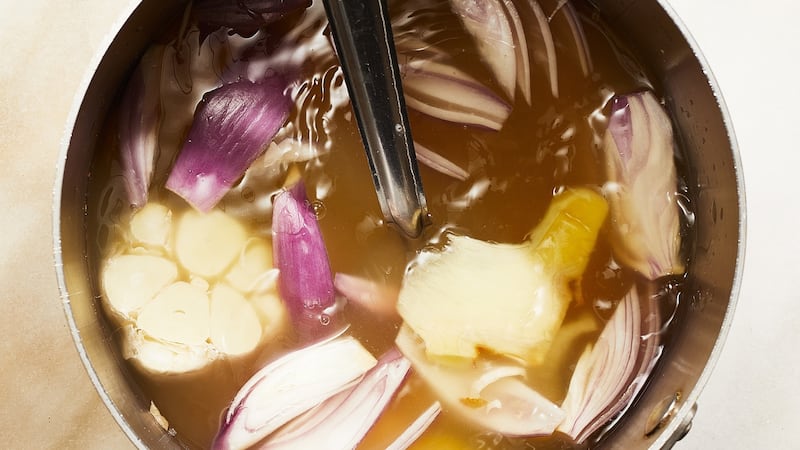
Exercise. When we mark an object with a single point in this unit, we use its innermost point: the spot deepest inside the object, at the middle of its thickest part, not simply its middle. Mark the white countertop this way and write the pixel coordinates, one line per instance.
(47, 400)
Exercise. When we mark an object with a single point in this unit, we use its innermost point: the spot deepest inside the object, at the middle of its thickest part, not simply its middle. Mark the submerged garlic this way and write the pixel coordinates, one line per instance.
(211, 296)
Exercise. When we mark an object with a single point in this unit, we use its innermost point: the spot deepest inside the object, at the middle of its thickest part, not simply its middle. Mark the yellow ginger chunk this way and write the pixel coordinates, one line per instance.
(507, 298)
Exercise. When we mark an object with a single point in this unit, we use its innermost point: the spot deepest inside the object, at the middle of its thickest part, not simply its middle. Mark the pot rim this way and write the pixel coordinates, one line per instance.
(681, 422)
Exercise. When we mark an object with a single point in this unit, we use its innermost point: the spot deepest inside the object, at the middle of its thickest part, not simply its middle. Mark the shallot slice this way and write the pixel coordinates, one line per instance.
(415, 430)
(439, 163)
(233, 125)
(521, 54)
(380, 300)
(569, 19)
(641, 192)
(581, 44)
(447, 93)
(540, 39)
(305, 281)
(290, 386)
(610, 373)
(488, 394)
(344, 419)
(140, 114)
(487, 22)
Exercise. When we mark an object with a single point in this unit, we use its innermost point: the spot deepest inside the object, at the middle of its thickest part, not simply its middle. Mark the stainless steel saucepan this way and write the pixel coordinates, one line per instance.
(651, 29)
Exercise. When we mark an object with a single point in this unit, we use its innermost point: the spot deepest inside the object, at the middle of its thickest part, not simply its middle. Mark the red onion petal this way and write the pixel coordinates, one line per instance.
(439, 163)
(343, 420)
(415, 430)
(378, 299)
(484, 393)
(140, 114)
(582, 46)
(232, 126)
(305, 281)
(488, 24)
(288, 387)
(607, 377)
(521, 55)
(639, 152)
(447, 93)
(540, 38)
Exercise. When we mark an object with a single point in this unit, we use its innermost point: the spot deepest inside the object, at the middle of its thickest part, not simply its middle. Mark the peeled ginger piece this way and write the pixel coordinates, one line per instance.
(206, 244)
(480, 294)
(131, 281)
(506, 298)
(235, 328)
(565, 237)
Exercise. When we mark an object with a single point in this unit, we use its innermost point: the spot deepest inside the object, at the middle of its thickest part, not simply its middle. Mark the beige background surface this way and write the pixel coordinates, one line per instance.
(46, 399)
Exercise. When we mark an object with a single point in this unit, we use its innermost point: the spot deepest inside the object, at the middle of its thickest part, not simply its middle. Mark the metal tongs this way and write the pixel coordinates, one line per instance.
(363, 37)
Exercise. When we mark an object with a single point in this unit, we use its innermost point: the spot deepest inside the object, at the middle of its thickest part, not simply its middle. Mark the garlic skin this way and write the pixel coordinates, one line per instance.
(641, 191)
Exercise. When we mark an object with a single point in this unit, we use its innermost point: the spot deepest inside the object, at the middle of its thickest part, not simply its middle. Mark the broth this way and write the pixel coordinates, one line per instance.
(513, 175)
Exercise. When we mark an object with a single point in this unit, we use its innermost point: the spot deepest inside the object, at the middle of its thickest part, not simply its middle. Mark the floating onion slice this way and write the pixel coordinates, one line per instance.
(563, 16)
(489, 394)
(439, 163)
(447, 93)
(290, 386)
(233, 125)
(140, 114)
(540, 39)
(191, 67)
(487, 22)
(581, 44)
(613, 370)
(305, 281)
(639, 152)
(380, 300)
(244, 16)
(415, 430)
(344, 419)
(521, 54)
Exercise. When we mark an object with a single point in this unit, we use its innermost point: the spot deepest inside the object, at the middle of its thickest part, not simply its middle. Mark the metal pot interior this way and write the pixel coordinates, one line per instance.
(651, 30)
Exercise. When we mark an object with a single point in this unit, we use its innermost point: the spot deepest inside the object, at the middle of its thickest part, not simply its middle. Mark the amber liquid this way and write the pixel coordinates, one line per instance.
(514, 173)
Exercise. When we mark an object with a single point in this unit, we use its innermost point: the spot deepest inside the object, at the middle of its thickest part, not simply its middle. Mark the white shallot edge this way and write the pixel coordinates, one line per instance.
(415, 430)
(487, 22)
(439, 163)
(540, 39)
(610, 374)
(288, 387)
(342, 421)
